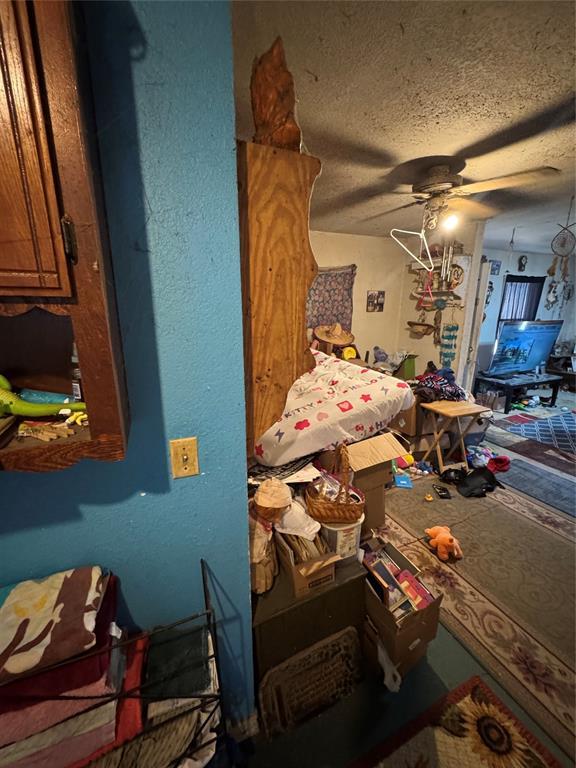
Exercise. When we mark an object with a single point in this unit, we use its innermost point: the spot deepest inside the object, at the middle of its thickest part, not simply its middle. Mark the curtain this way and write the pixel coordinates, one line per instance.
(330, 297)
(521, 297)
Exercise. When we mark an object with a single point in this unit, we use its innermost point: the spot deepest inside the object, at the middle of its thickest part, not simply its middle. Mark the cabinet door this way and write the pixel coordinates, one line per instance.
(32, 257)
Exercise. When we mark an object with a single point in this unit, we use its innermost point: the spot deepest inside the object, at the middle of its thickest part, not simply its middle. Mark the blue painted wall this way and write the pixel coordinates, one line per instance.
(162, 79)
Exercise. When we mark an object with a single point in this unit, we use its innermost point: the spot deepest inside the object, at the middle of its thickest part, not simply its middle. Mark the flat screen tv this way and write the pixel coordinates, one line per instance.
(522, 345)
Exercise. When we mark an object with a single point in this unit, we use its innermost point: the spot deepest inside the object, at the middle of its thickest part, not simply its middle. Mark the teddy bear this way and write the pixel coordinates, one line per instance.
(443, 542)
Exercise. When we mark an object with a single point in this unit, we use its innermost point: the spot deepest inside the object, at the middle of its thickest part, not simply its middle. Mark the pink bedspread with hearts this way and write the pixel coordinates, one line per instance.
(336, 402)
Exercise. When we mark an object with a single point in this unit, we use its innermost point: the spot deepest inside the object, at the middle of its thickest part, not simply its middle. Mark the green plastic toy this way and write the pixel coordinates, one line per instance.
(11, 403)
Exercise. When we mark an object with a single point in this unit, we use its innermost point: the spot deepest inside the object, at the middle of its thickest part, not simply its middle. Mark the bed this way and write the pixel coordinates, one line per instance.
(336, 402)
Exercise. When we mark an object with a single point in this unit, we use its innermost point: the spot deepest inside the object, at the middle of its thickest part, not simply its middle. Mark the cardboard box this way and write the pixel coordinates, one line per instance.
(405, 642)
(371, 462)
(420, 444)
(370, 651)
(308, 576)
(413, 421)
(407, 369)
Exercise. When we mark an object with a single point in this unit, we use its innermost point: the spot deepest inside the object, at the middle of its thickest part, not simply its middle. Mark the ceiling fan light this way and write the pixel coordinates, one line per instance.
(450, 222)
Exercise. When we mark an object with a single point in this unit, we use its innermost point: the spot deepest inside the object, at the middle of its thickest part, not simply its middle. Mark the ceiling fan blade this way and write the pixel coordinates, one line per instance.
(504, 182)
(347, 199)
(326, 144)
(472, 209)
(393, 210)
(542, 122)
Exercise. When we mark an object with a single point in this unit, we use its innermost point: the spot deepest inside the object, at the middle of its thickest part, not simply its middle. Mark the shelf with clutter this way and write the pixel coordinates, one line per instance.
(57, 303)
(42, 411)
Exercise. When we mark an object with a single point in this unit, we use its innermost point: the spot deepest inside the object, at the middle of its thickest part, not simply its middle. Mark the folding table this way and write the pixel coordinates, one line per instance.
(445, 413)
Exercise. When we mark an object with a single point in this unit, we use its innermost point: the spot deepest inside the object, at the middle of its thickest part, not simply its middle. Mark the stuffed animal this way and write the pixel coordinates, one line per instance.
(443, 542)
(380, 356)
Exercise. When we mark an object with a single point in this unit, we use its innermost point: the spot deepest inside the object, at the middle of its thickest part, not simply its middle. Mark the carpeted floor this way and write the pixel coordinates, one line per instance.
(468, 727)
(544, 454)
(558, 492)
(355, 725)
(511, 598)
(558, 431)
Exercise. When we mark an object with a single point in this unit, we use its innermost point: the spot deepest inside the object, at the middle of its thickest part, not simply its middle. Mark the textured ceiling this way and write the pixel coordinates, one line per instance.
(381, 83)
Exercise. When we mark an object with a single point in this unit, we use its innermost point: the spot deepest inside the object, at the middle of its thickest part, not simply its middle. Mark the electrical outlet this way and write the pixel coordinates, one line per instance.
(184, 457)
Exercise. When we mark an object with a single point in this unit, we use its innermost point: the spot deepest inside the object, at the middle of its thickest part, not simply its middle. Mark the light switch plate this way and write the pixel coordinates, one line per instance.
(184, 457)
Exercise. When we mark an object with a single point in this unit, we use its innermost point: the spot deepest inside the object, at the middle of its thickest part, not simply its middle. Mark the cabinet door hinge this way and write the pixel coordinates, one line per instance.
(69, 238)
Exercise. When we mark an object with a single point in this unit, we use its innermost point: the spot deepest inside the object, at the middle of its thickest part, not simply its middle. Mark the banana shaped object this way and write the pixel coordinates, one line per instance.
(11, 403)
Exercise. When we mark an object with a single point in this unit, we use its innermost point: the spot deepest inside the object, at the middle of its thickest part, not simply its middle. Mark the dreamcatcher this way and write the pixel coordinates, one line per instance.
(563, 246)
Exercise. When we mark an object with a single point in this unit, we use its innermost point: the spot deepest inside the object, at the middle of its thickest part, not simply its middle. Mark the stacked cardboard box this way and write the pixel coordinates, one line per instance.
(371, 462)
(406, 639)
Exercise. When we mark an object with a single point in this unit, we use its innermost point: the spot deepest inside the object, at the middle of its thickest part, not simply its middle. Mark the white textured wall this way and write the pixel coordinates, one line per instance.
(380, 267)
(537, 266)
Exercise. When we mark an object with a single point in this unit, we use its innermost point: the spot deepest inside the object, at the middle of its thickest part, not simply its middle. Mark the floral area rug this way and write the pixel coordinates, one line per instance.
(559, 431)
(467, 728)
(510, 600)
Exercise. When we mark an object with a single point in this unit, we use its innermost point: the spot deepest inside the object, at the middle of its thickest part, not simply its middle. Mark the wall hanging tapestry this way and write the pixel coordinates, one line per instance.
(448, 344)
(330, 297)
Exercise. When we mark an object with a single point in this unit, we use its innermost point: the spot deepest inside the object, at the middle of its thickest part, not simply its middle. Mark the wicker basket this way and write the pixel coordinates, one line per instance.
(342, 509)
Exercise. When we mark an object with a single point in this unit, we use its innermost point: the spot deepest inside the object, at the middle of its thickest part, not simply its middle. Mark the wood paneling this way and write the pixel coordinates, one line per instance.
(32, 257)
(278, 267)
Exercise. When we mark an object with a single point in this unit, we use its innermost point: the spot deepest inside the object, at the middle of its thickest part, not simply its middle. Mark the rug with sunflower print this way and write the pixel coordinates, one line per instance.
(468, 727)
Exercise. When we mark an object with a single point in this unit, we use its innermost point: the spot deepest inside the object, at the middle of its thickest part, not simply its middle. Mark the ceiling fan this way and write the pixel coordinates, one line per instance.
(439, 186)
(436, 181)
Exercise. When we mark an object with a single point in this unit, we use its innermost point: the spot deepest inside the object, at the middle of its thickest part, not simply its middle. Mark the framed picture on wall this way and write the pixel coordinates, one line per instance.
(375, 301)
(495, 267)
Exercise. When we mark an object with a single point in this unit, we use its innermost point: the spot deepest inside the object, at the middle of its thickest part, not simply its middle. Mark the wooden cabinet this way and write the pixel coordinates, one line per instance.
(32, 257)
(52, 297)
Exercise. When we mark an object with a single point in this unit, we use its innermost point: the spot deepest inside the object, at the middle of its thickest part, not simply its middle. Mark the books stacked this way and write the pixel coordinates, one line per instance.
(395, 579)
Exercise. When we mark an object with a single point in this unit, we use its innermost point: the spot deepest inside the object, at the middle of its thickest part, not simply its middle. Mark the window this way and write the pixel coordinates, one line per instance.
(520, 298)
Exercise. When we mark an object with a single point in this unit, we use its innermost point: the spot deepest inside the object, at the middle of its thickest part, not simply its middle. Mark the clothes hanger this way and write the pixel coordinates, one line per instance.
(422, 238)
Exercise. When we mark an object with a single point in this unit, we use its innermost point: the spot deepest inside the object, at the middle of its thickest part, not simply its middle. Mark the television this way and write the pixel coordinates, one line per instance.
(522, 345)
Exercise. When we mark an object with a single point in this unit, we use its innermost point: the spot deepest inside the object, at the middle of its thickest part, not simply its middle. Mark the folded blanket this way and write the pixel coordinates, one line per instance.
(19, 724)
(76, 674)
(49, 620)
(65, 742)
(129, 723)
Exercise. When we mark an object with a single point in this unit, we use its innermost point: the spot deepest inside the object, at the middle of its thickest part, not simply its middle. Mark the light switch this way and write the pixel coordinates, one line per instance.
(184, 457)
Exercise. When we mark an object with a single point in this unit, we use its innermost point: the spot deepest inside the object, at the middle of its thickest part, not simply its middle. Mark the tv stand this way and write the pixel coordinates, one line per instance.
(515, 382)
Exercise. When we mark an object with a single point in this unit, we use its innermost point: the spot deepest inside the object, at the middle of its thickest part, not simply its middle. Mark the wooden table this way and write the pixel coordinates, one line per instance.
(450, 411)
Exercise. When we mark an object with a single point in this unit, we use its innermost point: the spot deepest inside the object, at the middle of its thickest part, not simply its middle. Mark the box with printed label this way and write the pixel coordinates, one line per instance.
(309, 576)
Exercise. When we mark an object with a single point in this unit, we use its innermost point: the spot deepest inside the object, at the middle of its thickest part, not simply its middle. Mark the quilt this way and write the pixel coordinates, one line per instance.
(337, 402)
